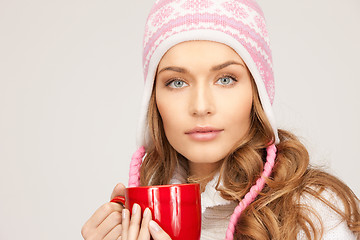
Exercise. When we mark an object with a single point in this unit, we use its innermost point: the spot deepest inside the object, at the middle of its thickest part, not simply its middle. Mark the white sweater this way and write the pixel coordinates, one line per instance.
(216, 213)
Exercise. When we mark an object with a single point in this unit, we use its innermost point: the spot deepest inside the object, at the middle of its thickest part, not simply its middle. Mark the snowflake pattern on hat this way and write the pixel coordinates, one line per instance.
(241, 19)
(197, 4)
(162, 15)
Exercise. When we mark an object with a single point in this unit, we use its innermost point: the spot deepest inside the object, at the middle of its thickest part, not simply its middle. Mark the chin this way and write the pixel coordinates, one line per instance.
(205, 157)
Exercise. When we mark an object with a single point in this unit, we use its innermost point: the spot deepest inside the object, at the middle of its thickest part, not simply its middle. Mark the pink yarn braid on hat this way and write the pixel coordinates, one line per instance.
(135, 164)
(254, 191)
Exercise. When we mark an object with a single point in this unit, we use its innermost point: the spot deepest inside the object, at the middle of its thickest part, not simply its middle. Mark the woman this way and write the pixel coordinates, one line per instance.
(207, 118)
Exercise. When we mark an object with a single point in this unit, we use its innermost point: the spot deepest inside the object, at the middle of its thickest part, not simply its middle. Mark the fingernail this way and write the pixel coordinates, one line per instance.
(135, 208)
(123, 214)
(154, 226)
(146, 212)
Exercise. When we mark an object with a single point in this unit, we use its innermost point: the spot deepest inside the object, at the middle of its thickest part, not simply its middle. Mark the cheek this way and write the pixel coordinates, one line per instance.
(171, 115)
(238, 111)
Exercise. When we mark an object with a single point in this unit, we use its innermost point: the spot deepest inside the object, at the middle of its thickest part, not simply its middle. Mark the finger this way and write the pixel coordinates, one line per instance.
(144, 230)
(134, 222)
(114, 234)
(119, 190)
(100, 215)
(125, 224)
(157, 232)
(113, 220)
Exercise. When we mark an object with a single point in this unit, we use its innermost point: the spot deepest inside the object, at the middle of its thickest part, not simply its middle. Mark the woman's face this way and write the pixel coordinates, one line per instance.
(204, 96)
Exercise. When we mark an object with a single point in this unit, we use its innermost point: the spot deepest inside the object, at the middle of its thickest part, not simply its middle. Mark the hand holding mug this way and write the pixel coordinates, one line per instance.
(107, 223)
(176, 208)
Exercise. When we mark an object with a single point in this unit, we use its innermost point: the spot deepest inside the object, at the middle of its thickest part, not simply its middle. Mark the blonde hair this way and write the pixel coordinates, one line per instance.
(277, 212)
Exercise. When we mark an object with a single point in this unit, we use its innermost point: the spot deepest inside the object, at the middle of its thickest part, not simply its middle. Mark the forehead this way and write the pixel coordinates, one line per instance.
(191, 53)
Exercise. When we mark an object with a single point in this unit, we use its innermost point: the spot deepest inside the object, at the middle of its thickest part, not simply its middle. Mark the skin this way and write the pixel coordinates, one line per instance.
(199, 83)
(203, 83)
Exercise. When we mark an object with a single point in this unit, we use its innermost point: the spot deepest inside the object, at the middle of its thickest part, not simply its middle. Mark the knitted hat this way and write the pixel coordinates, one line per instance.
(239, 24)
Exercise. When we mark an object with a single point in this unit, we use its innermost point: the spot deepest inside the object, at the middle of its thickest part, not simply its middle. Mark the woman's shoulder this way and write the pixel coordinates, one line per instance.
(324, 210)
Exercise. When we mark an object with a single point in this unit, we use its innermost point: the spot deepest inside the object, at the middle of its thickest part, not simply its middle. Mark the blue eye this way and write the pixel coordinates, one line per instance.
(176, 84)
(226, 80)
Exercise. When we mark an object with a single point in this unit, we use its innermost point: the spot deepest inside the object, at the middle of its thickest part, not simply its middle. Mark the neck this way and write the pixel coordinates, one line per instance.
(202, 173)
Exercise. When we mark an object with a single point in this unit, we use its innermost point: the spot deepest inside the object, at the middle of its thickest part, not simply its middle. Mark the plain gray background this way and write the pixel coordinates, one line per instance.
(71, 85)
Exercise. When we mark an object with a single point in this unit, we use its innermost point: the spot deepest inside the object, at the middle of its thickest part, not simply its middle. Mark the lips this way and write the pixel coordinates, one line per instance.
(204, 133)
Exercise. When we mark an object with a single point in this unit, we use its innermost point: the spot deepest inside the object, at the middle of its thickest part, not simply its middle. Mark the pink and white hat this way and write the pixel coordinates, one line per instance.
(240, 24)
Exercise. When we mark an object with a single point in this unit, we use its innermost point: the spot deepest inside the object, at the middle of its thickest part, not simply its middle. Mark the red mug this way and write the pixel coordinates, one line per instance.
(176, 208)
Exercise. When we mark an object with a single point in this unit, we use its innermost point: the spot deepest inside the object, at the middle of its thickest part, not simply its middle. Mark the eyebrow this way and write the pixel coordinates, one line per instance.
(214, 68)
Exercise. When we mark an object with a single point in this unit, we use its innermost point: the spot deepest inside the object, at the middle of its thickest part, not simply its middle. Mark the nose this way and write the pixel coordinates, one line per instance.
(201, 102)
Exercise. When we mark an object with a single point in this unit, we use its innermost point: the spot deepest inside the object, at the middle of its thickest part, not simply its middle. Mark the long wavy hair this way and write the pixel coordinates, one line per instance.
(277, 213)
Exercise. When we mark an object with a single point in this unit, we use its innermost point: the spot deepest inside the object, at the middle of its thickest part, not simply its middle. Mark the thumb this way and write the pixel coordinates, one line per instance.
(119, 190)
